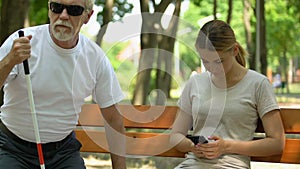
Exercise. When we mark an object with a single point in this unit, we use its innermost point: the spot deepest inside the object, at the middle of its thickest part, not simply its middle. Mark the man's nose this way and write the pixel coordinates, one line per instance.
(64, 14)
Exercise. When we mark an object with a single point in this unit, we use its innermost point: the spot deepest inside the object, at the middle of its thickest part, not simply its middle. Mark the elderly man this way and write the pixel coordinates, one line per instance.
(66, 67)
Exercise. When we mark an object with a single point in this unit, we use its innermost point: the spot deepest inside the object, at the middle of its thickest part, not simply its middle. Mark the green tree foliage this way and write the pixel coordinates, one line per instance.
(282, 35)
(282, 30)
(188, 55)
(38, 12)
(120, 8)
(111, 10)
(294, 5)
(112, 50)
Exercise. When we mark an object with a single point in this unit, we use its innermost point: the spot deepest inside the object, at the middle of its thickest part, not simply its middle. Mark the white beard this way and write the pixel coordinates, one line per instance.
(60, 33)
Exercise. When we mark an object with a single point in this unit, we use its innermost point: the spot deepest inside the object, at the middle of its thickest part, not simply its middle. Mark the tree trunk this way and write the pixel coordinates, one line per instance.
(148, 52)
(229, 11)
(164, 70)
(263, 47)
(165, 59)
(12, 19)
(249, 40)
(149, 48)
(215, 9)
(13, 14)
(285, 71)
(107, 17)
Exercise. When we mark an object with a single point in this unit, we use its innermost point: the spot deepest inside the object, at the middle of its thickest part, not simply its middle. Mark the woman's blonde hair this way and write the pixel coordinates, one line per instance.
(218, 35)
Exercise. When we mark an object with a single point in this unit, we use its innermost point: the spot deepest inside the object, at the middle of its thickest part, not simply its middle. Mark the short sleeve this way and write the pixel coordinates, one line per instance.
(185, 101)
(266, 100)
(107, 90)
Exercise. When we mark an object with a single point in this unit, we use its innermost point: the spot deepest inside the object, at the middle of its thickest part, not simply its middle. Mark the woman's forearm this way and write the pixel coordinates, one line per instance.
(260, 147)
(181, 143)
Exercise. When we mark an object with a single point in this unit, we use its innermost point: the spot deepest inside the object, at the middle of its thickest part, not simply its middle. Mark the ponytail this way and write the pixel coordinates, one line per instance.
(241, 56)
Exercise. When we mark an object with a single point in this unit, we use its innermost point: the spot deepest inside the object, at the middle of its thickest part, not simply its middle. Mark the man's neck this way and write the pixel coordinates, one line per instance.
(66, 44)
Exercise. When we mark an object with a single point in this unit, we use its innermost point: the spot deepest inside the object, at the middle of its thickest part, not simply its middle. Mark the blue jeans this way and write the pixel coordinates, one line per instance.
(16, 155)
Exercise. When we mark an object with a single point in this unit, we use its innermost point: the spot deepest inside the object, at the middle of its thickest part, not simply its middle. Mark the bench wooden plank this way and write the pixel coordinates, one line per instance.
(141, 116)
(146, 116)
(290, 118)
(160, 146)
(139, 144)
(142, 143)
(91, 116)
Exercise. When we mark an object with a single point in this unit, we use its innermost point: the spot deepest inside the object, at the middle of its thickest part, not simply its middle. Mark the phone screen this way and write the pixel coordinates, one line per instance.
(197, 139)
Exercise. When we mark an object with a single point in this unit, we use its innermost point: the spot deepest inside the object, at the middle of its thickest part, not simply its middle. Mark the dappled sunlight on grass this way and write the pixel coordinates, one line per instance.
(263, 165)
(291, 99)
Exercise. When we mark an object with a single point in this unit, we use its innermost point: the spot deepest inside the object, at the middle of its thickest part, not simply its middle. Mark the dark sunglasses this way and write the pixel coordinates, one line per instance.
(73, 10)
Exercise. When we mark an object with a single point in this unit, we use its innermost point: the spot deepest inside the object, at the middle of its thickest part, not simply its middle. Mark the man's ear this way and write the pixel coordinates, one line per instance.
(88, 16)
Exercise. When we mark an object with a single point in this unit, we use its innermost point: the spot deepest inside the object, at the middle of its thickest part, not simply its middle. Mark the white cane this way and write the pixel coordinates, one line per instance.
(33, 112)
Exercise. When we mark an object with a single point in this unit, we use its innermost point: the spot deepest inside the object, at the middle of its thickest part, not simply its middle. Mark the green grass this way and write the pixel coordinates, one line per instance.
(292, 97)
(295, 88)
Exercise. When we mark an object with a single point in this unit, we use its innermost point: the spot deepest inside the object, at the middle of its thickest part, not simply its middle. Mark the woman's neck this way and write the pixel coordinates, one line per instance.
(231, 78)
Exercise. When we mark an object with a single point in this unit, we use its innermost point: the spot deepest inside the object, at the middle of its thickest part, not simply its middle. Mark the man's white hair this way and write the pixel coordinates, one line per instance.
(89, 4)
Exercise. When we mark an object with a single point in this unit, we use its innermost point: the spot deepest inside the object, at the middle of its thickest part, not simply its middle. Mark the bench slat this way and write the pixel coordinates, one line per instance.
(290, 118)
(160, 146)
(151, 117)
(140, 144)
(162, 117)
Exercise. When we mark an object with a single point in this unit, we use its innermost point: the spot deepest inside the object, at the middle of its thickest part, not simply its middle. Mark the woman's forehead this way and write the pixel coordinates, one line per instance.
(210, 54)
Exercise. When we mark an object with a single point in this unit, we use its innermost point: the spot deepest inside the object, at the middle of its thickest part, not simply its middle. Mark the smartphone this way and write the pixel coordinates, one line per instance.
(197, 139)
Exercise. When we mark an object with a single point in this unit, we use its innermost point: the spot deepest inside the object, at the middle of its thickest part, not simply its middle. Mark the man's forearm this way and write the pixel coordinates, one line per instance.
(5, 69)
(117, 146)
(115, 135)
(118, 162)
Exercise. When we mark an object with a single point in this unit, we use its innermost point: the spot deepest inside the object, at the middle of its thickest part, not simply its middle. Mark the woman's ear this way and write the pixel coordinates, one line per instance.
(236, 49)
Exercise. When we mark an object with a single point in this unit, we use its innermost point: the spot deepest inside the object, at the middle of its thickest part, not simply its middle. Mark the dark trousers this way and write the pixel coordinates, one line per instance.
(19, 154)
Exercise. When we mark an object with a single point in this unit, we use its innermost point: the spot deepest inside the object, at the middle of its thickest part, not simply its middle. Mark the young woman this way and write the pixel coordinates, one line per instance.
(224, 104)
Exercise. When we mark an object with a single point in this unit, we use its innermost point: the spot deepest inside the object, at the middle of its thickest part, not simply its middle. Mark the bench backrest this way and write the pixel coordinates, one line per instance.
(148, 133)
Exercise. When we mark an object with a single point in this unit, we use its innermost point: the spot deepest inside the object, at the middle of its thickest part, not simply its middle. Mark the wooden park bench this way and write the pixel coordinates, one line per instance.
(150, 135)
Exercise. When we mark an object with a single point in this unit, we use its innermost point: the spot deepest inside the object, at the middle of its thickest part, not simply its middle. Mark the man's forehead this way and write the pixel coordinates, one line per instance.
(70, 2)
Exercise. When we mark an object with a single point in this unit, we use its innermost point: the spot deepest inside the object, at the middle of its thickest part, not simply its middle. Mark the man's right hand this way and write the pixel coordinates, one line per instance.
(20, 50)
